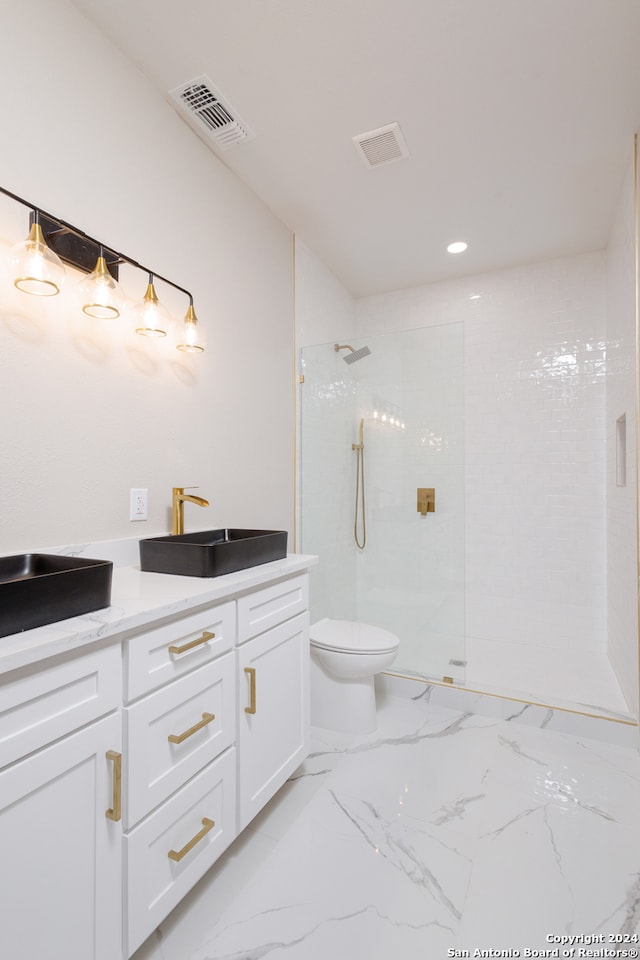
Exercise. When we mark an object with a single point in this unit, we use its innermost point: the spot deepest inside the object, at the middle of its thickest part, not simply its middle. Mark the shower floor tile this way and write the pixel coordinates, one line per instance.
(442, 832)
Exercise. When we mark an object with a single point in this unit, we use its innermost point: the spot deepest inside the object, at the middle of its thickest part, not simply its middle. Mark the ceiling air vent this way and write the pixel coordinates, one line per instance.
(383, 145)
(209, 114)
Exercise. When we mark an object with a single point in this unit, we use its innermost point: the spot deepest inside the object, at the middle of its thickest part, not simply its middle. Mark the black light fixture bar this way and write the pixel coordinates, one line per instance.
(78, 249)
(74, 247)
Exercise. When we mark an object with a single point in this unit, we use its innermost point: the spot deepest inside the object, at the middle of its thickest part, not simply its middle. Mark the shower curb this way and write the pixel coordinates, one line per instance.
(575, 721)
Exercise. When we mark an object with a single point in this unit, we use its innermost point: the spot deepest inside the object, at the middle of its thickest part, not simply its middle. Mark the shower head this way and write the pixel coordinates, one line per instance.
(354, 355)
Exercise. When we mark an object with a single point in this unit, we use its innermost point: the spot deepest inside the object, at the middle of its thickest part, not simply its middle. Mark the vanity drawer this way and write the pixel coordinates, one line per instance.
(156, 881)
(39, 707)
(160, 655)
(263, 609)
(173, 733)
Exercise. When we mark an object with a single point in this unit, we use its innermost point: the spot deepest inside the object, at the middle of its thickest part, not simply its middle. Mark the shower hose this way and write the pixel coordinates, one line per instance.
(359, 448)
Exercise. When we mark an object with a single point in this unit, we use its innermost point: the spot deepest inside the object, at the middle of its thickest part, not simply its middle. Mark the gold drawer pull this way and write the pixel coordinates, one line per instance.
(177, 855)
(252, 675)
(179, 737)
(194, 643)
(115, 812)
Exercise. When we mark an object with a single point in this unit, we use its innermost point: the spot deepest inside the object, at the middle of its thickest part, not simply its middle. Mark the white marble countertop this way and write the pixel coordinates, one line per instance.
(137, 599)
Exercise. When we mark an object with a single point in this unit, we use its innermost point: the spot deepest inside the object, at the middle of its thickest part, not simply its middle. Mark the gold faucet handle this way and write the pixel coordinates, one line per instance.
(426, 500)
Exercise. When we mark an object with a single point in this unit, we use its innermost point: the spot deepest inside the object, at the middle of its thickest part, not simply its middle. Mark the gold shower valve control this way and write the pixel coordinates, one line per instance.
(426, 500)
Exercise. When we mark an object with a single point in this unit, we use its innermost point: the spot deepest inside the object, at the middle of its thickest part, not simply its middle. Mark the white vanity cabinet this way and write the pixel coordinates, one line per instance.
(59, 819)
(273, 692)
(129, 764)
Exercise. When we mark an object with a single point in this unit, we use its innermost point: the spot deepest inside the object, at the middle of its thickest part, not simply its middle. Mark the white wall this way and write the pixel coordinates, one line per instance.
(325, 310)
(88, 410)
(621, 400)
(534, 444)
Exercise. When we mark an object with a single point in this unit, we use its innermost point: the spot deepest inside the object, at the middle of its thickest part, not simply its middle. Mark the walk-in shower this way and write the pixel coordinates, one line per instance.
(405, 402)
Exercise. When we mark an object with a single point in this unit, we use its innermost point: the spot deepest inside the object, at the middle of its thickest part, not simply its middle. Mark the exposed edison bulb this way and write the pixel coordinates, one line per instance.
(151, 319)
(100, 293)
(192, 337)
(36, 269)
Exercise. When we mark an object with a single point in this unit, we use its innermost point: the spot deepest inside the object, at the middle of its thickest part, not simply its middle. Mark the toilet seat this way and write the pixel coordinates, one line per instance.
(351, 636)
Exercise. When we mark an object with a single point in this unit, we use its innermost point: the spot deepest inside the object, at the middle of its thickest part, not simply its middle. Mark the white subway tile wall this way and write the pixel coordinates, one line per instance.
(622, 611)
(535, 389)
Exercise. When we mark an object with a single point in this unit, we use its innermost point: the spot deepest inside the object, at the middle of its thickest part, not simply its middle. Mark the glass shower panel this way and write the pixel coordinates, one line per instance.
(409, 578)
(325, 513)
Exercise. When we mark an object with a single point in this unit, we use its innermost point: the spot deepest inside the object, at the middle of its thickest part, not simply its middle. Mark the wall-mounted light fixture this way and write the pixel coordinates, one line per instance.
(37, 267)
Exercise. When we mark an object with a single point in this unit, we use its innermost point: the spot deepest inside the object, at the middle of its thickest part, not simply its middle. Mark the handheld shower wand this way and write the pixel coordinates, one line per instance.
(359, 448)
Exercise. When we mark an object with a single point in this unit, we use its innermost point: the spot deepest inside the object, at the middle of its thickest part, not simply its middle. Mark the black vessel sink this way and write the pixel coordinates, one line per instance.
(211, 553)
(41, 588)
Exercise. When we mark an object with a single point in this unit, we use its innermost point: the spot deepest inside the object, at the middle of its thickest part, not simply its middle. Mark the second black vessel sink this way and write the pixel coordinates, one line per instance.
(211, 553)
(41, 588)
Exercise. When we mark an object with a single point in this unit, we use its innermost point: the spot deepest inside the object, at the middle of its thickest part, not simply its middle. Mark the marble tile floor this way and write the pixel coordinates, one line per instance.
(443, 831)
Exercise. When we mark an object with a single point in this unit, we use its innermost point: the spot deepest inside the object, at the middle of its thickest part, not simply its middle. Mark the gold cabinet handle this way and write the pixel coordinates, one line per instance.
(194, 643)
(115, 812)
(177, 855)
(252, 675)
(179, 737)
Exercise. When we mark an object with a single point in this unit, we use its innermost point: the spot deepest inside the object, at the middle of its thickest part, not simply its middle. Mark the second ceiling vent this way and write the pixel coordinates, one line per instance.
(383, 145)
(209, 114)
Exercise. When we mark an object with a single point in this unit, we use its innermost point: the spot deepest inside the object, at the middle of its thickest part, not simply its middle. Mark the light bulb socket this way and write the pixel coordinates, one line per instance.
(151, 296)
(35, 234)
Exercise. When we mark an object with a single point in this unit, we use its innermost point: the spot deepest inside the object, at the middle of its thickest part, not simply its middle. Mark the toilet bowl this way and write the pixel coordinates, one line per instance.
(345, 656)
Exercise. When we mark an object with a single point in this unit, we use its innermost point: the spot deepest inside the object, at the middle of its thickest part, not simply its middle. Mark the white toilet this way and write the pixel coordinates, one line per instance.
(345, 656)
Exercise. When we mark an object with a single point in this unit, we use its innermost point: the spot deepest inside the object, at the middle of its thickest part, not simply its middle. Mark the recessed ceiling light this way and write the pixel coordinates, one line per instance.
(475, 296)
(458, 247)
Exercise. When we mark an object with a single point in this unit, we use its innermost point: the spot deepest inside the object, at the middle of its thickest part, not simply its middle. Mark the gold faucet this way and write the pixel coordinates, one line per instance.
(177, 507)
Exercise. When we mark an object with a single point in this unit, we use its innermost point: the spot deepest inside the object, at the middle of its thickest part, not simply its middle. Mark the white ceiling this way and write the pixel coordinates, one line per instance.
(519, 117)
